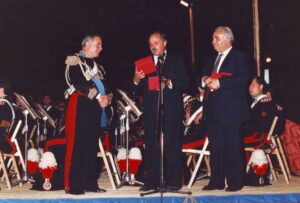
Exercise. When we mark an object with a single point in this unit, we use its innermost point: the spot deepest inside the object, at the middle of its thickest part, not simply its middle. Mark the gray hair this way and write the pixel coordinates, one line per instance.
(86, 40)
(228, 32)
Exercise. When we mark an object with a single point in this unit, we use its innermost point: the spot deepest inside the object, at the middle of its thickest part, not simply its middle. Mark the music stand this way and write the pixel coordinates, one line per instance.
(160, 134)
(125, 110)
(35, 116)
(46, 118)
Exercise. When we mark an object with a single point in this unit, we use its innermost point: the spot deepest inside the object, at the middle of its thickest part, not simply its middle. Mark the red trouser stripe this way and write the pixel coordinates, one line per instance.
(70, 136)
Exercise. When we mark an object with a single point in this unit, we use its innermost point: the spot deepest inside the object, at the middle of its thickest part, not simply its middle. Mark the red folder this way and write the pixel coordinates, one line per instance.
(219, 75)
(153, 83)
(145, 64)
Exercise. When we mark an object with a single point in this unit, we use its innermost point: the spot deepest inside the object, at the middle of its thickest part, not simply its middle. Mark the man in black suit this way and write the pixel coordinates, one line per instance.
(225, 78)
(174, 72)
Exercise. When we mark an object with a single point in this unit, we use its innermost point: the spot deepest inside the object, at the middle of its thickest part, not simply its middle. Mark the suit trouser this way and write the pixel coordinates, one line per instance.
(227, 155)
(172, 155)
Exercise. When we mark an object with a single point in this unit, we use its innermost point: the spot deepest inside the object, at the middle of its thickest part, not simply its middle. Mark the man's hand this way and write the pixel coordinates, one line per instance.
(166, 83)
(104, 100)
(138, 76)
(169, 83)
(206, 80)
(214, 84)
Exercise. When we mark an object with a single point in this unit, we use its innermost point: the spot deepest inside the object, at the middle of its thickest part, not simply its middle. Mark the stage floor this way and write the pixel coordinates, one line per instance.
(279, 187)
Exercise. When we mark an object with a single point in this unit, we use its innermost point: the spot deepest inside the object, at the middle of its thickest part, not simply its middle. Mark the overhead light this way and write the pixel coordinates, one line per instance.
(268, 59)
(184, 3)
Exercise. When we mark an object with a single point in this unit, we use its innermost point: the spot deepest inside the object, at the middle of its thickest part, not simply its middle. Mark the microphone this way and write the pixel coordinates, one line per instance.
(161, 58)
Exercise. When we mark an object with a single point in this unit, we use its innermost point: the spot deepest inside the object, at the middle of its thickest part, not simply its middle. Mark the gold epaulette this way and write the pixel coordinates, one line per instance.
(72, 60)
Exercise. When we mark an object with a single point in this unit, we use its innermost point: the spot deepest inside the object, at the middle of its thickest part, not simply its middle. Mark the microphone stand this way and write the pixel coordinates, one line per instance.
(160, 136)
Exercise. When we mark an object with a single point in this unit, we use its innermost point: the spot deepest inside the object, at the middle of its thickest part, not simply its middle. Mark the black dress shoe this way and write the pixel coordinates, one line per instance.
(209, 187)
(76, 192)
(146, 188)
(99, 190)
(232, 189)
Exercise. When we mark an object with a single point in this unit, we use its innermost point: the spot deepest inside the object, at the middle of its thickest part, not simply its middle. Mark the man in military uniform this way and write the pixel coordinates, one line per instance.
(85, 116)
(262, 114)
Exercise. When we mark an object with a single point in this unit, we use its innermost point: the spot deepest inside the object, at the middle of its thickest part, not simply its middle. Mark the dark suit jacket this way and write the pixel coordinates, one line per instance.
(229, 103)
(175, 70)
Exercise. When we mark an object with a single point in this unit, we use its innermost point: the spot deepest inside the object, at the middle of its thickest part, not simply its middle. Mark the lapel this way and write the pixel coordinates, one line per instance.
(165, 66)
(226, 61)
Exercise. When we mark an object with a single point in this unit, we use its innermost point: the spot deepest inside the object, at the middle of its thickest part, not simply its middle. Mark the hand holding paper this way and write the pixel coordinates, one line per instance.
(153, 83)
(214, 84)
(138, 76)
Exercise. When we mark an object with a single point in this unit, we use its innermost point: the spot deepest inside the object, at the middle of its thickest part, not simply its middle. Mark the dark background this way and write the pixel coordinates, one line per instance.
(37, 35)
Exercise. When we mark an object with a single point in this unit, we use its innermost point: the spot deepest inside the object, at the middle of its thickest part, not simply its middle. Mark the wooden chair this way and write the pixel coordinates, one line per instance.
(109, 163)
(9, 171)
(277, 150)
(280, 155)
(191, 150)
(14, 140)
(31, 136)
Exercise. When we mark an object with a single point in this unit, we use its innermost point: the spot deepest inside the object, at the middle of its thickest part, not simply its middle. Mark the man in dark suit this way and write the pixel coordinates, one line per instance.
(225, 78)
(174, 72)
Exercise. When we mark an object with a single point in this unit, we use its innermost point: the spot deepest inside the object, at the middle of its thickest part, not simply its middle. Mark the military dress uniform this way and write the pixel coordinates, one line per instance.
(84, 119)
(262, 115)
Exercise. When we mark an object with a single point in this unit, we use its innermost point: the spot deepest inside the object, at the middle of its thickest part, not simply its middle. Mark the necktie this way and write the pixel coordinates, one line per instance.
(217, 62)
(160, 62)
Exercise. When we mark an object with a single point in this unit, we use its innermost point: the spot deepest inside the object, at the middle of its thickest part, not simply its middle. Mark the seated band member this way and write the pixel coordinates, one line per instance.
(85, 116)
(262, 113)
(194, 126)
(52, 111)
(7, 115)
